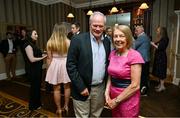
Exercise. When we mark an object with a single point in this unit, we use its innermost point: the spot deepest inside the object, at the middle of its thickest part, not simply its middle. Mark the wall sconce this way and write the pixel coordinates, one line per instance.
(144, 6)
(114, 9)
(90, 12)
(70, 15)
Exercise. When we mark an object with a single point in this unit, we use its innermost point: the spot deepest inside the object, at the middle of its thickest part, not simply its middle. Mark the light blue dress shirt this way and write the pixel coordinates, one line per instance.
(99, 59)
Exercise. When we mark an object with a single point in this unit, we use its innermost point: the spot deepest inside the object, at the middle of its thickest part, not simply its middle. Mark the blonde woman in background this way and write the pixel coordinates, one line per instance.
(57, 48)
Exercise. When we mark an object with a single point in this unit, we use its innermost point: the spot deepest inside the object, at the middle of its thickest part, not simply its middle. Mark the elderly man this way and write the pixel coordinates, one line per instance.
(87, 62)
(142, 45)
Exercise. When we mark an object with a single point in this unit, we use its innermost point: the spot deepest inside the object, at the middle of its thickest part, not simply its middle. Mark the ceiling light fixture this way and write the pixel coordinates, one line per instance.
(70, 15)
(114, 9)
(144, 6)
(90, 12)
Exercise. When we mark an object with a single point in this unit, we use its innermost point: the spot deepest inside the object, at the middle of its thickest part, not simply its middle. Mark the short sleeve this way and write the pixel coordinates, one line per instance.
(135, 57)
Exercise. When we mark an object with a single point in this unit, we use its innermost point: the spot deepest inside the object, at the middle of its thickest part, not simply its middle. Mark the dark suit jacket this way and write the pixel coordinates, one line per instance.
(4, 47)
(79, 64)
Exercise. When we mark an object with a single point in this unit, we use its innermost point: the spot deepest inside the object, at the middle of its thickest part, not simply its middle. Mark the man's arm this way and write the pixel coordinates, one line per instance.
(72, 65)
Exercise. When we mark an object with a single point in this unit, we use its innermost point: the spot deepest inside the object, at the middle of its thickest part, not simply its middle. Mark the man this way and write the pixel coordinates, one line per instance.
(87, 62)
(75, 30)
(109, 35)
(142, 45)
(8, 49)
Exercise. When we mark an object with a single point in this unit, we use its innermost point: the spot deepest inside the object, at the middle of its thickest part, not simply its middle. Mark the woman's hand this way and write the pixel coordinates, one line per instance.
(44, 55)
(112, 103)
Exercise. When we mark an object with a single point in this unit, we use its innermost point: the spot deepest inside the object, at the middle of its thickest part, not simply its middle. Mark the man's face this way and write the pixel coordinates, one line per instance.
(9, 36)
(138, 31)
(109, 32)
(97, 26)
(74, 29)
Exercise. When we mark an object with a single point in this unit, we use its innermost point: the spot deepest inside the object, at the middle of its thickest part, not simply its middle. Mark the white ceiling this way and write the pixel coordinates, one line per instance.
(79, 3)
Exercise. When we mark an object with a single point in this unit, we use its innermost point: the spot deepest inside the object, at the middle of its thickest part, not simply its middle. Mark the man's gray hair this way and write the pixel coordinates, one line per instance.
(97, 13)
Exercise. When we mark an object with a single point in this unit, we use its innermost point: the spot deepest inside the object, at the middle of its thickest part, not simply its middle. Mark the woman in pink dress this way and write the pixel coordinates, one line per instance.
(122, 91)
(57, 48)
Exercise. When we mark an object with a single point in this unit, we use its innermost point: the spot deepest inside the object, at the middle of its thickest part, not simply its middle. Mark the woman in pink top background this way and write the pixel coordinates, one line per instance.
(122, 91)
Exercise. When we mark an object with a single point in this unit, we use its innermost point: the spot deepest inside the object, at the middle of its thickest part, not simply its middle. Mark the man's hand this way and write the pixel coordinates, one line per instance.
(85, 92)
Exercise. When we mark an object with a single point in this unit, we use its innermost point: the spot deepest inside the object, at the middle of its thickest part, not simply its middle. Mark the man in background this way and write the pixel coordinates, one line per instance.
(8, 49)
(142, 45)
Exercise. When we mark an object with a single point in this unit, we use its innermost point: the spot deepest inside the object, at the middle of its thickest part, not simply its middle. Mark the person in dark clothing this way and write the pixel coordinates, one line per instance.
(22, 41)
(160, 57)
(87, 62)
(8, 47)
(75, 30)
(35, 61)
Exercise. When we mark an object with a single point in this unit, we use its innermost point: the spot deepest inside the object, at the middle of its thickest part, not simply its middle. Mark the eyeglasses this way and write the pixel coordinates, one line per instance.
(120, 36)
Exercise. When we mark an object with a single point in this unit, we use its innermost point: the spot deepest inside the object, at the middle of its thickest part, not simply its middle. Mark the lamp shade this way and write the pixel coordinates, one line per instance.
(90, 12)
(144, 6)
(114, 10)
(70, 15)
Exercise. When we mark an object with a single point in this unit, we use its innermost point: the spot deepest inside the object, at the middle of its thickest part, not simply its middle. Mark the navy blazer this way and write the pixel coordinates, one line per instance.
(4, 47)
(79, 64)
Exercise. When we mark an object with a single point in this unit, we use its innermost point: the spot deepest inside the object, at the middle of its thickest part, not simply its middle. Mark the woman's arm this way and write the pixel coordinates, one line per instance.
(49, 58)
(107, 89)
(131, 89)
(154, 45)
(29, 53)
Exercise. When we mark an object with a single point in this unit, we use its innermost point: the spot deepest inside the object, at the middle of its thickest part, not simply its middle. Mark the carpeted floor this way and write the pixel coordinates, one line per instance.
(163, 104)
(13, 107)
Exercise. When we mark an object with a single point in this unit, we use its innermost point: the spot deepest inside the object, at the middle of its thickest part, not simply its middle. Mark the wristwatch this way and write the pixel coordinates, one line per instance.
(117, 100)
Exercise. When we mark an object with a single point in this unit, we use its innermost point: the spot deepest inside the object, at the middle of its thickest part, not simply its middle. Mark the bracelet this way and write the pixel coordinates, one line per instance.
(117, 101)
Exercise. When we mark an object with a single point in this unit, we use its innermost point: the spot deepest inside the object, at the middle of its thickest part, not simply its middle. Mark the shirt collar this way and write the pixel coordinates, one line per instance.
(94, 39)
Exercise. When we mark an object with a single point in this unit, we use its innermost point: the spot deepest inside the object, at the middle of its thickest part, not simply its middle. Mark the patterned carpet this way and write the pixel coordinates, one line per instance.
(14, 107)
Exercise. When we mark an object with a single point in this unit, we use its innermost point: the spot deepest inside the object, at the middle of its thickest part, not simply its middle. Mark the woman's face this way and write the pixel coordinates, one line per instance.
(120, 41)
(34, 35)
(158, 31)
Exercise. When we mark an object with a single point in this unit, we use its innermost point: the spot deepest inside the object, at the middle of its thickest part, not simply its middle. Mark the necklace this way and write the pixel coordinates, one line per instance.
(118, 53)
(121, 53)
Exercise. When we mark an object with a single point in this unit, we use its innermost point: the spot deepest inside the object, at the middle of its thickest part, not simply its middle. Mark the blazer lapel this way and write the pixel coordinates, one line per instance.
(89, 47)
(106, 46)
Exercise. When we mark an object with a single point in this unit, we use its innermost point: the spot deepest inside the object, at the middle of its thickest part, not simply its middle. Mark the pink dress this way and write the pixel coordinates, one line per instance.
(56, 72)
(120, 67)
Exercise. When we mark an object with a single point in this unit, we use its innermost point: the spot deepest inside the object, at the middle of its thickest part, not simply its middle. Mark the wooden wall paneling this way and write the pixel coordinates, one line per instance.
(156, 19)
(9, 9)
(47, 14)
(23, 11)
(16, 12)
(39, 25)
(51, 14)
(163, 13)
(2, 9)
(34, 15)
(44, 28)
(55, 13)
(59, 13)
(28, 13)
(63, 15)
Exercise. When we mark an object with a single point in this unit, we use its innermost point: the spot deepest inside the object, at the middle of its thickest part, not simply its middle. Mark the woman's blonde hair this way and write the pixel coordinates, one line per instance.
(57, 42)
(127, 32)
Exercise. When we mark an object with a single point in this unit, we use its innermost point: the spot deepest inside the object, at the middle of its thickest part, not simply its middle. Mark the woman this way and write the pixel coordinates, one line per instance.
(122, 91)
(34, 59)
(160, 57)
(57, 48)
